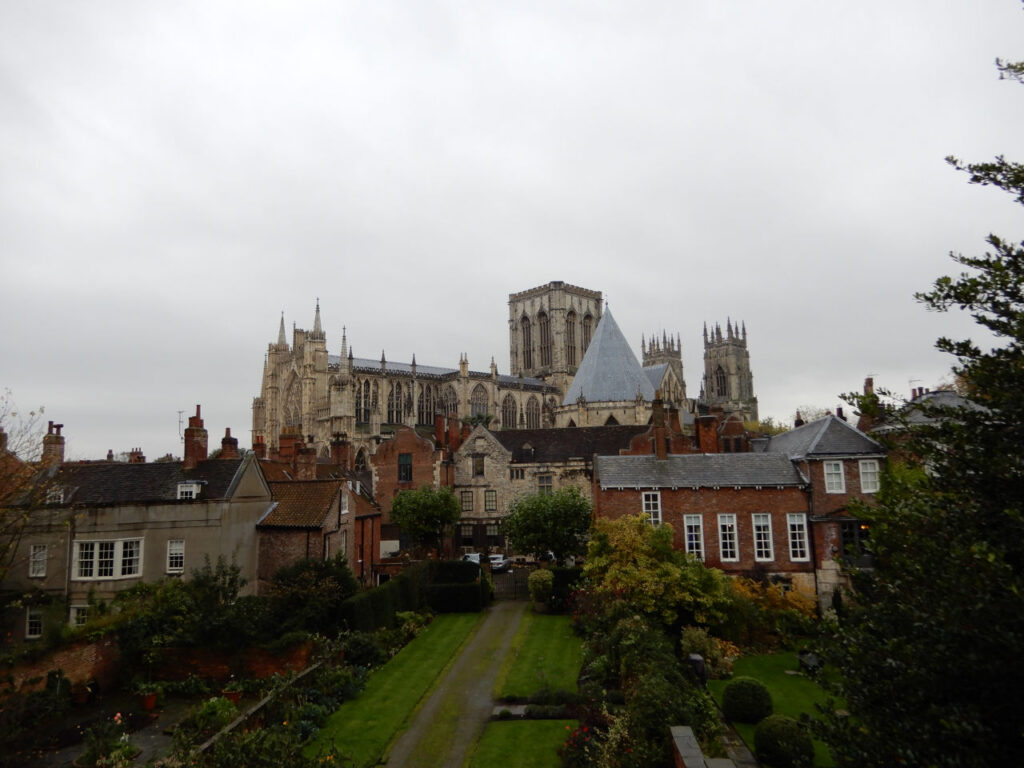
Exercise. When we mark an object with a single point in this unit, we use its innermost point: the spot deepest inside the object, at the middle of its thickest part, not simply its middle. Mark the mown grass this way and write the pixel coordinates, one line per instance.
(521, 744)
(545, 654)
(363, 727)
(792, 695)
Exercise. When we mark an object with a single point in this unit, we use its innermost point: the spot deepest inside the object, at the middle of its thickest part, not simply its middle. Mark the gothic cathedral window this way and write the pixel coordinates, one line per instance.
(532, 413)
(588, 329)
(527, 344)
(478, 401)
(720, 385)
(508, 412)
(570, 338)
(545, 339)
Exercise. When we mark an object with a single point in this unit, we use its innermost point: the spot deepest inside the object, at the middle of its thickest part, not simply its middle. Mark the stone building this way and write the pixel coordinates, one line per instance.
(569, 366)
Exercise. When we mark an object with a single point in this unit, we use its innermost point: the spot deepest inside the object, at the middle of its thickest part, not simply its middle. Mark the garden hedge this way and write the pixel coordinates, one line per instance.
(781, 742)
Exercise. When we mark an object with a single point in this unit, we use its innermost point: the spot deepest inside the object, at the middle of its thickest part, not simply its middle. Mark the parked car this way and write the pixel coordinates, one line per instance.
(472, 557)
(500, 563)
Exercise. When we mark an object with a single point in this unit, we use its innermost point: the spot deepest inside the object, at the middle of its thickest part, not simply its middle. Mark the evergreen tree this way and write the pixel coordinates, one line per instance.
(930, 652)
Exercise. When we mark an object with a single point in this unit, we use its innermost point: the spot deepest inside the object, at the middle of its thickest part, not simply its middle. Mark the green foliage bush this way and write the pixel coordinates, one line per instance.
(718, 655)
(541, 584)
(363, 649)
(746, 700)
(782, 742)
(566, 582)
(454, 598)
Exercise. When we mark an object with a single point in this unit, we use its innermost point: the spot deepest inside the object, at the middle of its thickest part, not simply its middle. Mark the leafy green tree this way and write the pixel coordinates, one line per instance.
(308, 594)
(929, 654)
(631, 561)
(425, 514)
(541, 522)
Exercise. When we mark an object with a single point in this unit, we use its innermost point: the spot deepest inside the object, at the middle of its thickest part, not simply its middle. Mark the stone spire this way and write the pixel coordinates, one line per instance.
(282, 341)
(318, 331)
(344, 343)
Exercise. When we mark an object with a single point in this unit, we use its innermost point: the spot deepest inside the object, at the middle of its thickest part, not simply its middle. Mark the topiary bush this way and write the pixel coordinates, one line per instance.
(541, 584)
(782, 742)
(746, 700)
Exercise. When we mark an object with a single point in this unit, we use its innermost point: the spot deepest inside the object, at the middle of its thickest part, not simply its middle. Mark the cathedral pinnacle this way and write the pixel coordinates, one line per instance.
(281, 340)
(318, 332)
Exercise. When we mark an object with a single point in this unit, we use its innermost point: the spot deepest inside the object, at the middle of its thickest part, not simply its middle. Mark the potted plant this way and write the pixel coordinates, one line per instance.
(233, 691)
(148, 692)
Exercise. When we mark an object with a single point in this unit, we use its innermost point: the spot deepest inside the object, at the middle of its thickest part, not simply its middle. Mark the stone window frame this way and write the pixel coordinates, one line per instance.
(651, 505)
(405, 467)
(33, 623)
(490, 500)
(835, 476)
(764, 547)
(37, 561)
(175, 556)
(799, 552)
(107, 559)
(467, 501)
(545, 484)
(570, 338)
(544, 331)
(478, 465)
(693, 528)
(527, 337)
(728, 538)
(869, 476)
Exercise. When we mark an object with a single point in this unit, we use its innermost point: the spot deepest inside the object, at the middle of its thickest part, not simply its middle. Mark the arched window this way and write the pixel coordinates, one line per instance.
(395, 404)
(532, 413)
(588, 330)
(375, 400)
(720, 385)
(363, 402)
(450, 400)
(360, 464)
(478, 401)
(570, 338)
(527, 343)
(508, 412)
(545, 339)
(426, 405)
(293, 405)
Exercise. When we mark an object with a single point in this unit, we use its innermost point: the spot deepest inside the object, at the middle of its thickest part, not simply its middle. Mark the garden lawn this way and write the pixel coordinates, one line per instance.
(792, 695)
(521, 744)
(363, 727)
(545, 654)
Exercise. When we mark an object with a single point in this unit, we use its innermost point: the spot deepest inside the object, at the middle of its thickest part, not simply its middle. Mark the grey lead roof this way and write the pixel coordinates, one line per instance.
(609, 371)
(698, 470)
(367, 364)
(827, 436)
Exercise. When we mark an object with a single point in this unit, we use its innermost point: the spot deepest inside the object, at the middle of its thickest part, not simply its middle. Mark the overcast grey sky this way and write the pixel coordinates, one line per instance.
(173, 176)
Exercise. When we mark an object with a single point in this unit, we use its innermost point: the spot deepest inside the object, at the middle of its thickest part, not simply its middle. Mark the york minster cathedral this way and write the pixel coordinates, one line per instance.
(569, 365)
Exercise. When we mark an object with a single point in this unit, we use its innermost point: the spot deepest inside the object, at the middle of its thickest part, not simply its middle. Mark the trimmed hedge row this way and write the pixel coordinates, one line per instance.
(446, 586)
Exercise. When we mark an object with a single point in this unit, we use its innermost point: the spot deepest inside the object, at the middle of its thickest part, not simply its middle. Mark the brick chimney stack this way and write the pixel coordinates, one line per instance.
(53, 445)
(259, 447)
(228, 445)
(305, 461)
(341, 453)
(195, 441)
(135, 456)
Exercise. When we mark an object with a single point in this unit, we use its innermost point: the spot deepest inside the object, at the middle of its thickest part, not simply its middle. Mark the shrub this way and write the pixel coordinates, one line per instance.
(782, 742)
(746, 700)
(718, 654)
(541, 584)
(363, 649)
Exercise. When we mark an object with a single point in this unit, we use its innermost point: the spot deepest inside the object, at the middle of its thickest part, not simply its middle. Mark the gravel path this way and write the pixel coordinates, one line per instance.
(449, 724)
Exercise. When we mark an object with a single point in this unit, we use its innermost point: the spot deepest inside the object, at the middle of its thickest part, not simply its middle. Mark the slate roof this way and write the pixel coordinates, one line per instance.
(301, 504)
(655, 373)
(827, 436)
(554, 445)
(609, 370)
(436, 372)
(698, 470)
(112, 483)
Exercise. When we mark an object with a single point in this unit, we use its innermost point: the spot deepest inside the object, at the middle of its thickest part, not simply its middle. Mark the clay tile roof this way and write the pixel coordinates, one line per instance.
(301, 504)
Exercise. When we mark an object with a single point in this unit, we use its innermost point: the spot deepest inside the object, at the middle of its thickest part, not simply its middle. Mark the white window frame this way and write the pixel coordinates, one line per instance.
(652, 506)
(188, 491)
(693, 528)
(33, 616)
(837, 473)
(103, 552)
(490, 500)
(869, 468)
(55, 496)
(728, 538)
(175, 552)
(343, 502)
(796, 522)
(37, 561)
(79, 615)
(764, 548)
(466, 501)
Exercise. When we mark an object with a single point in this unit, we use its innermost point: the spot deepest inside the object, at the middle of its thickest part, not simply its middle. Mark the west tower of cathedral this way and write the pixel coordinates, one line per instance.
(323, 398)
(728, 383)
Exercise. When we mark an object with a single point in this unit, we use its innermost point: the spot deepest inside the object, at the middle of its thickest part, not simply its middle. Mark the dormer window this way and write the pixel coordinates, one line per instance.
(188, 491)
(55, 496)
